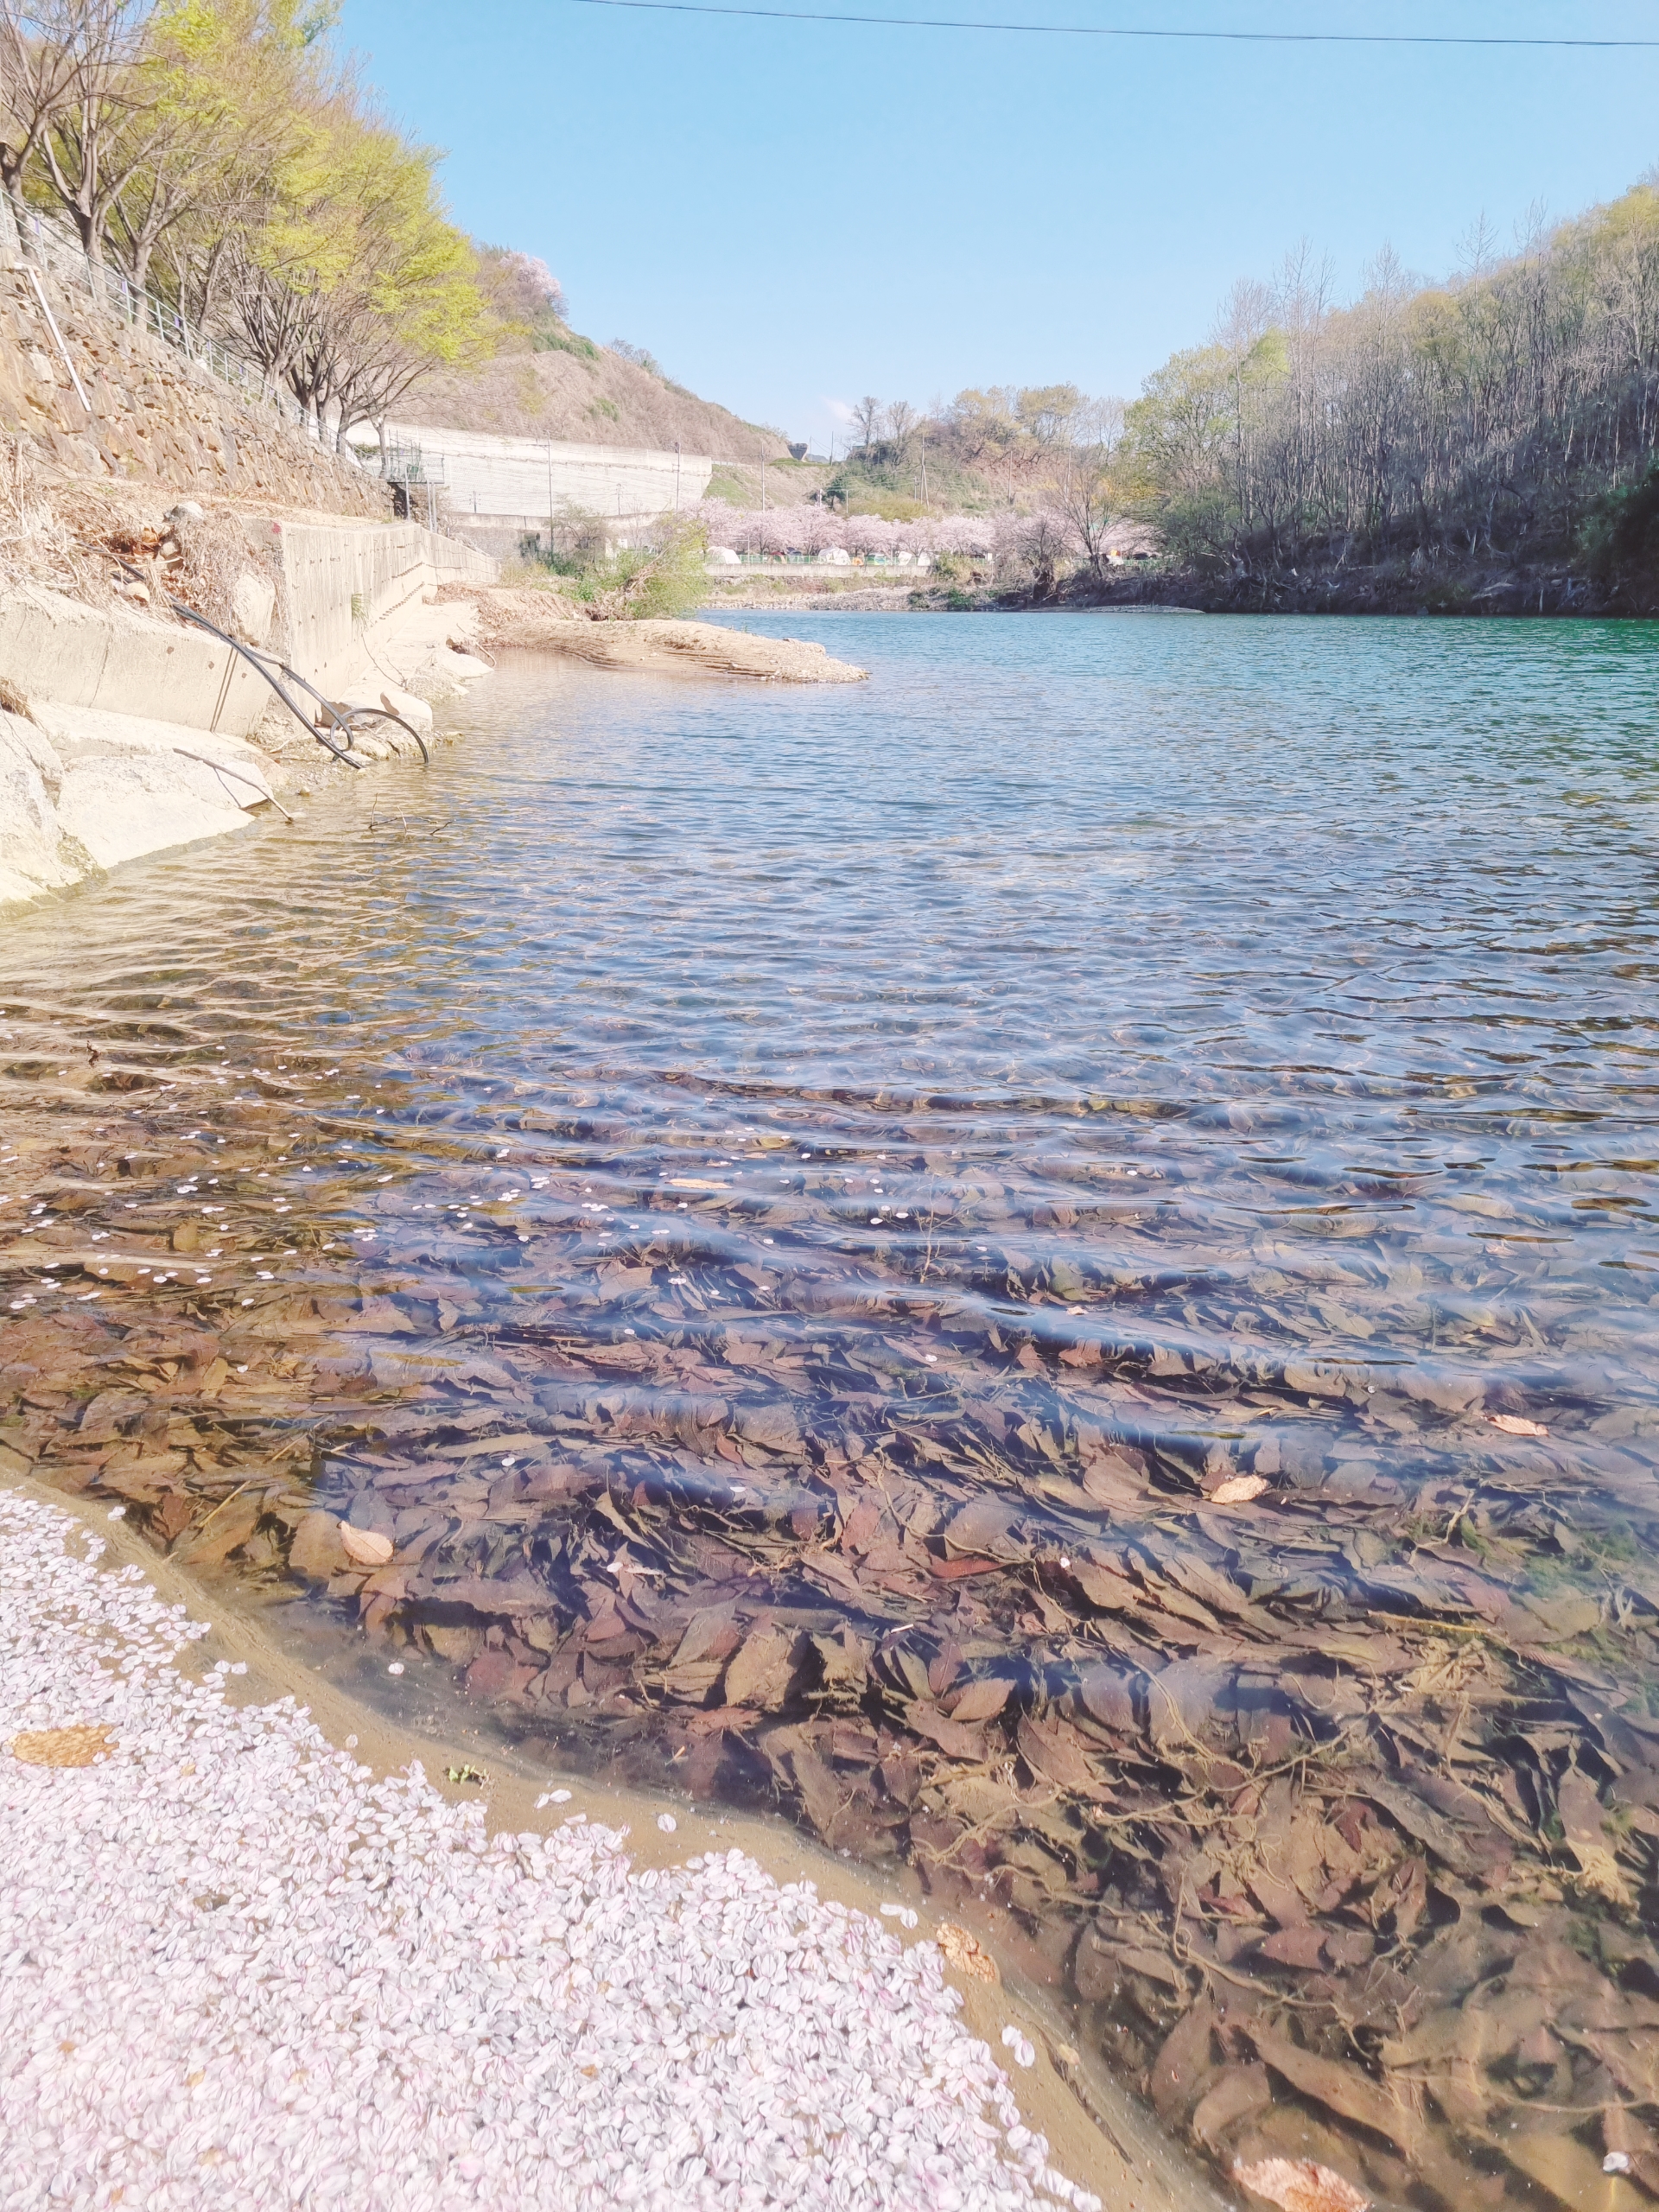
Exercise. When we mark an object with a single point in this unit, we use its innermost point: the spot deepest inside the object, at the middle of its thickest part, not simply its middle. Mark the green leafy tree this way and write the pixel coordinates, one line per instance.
(661, 578)
(215, 96)
(355, 284)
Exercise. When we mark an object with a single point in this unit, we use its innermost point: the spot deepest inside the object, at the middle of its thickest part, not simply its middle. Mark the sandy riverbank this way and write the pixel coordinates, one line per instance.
(174, 1998)
(535, 620)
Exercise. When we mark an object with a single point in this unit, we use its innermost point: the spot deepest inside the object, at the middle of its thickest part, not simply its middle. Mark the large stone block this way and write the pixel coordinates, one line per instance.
(32, 859)
(120, 808)
(217, 768)
(54, 648)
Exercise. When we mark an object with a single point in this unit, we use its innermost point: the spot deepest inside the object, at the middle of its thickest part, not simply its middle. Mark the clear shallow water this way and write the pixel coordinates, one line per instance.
(785, 1208)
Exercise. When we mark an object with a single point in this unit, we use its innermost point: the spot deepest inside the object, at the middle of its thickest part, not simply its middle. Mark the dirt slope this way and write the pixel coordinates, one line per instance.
(586, 398)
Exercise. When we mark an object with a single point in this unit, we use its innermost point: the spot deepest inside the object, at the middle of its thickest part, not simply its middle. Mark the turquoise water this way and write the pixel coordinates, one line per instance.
(871, 1165)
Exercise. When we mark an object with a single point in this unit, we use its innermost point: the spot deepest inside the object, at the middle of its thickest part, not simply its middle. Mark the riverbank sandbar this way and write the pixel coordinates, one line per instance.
(529, 619)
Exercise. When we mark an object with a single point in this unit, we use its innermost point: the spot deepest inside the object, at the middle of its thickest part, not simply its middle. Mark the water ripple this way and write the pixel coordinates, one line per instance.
(869, 1248)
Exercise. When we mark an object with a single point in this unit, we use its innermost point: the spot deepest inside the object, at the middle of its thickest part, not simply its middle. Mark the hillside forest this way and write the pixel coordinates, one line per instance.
(1492, 436)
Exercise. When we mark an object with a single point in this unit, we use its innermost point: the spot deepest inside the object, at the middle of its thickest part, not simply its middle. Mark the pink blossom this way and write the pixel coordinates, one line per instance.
(821, 528)
(964, 534)
(868, 534)
(812, 529)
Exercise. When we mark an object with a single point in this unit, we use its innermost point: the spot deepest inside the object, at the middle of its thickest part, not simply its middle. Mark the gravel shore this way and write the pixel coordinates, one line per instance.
(241, 1971)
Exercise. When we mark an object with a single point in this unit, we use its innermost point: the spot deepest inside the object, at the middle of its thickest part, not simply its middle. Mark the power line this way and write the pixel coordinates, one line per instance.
(1103, 30)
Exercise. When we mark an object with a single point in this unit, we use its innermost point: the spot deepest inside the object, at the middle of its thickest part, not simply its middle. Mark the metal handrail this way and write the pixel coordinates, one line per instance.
(113, 290)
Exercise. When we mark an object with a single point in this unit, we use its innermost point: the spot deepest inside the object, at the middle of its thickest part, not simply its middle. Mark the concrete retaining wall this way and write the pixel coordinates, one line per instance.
(142, 734)
(343, 586)
(523, 480)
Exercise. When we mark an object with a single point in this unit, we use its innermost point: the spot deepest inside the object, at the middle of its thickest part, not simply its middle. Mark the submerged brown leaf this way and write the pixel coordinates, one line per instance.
(965, 1952)
(1236, 2093)
(1300, 2185)
(366, 1546)
(224, 1530)
(981, 1700)
(1341, 2088)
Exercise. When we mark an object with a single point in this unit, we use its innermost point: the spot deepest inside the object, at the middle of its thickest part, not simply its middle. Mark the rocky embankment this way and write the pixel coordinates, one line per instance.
(1397, 587)
(128, 729)
(139, 490)
(536, 619)
(143, 498)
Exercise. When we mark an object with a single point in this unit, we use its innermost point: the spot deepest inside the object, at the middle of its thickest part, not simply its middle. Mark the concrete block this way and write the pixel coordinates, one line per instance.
(32, 859)
(114, 658)
(138, 744)
(414, 643)
(369, 688)
(121, 808)
(218, 769)
(253, 602)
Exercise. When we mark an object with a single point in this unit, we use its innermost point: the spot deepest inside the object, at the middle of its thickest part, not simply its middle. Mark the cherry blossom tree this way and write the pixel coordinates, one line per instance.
(970, 534)
(868, 534)
(814, 529)
(821, 527)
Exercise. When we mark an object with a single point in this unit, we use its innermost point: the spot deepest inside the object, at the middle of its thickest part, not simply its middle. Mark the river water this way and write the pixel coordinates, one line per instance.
(1047, 1262)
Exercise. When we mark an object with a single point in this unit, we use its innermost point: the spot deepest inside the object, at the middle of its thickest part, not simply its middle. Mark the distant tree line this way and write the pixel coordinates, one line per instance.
(1011, 437)
(1506, 414)
(1038, 463)
(222, 155)
(1509, 415)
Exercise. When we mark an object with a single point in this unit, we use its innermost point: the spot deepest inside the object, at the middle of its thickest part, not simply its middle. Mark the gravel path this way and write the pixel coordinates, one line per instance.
(237, 1972)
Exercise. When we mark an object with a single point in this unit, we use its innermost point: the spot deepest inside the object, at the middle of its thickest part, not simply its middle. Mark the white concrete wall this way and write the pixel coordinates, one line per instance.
(125, 663)
(344, 582)
(533, 478)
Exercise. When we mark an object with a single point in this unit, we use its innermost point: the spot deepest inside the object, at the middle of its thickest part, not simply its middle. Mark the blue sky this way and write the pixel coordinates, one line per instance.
(790, 215)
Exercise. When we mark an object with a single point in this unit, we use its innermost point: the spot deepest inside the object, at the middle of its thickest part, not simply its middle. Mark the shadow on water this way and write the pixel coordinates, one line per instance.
(1049, 1264)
